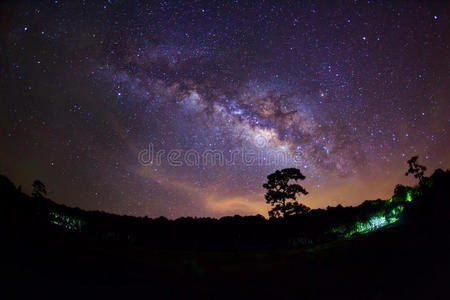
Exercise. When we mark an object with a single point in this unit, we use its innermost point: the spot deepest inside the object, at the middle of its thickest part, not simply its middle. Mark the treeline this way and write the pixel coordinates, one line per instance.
(425, 203)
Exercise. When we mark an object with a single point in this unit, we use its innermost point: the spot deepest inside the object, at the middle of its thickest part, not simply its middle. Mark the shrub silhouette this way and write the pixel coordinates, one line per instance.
(39, 189)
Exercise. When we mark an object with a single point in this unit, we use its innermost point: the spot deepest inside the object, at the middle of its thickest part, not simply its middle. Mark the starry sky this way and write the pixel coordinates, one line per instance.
(346, 92)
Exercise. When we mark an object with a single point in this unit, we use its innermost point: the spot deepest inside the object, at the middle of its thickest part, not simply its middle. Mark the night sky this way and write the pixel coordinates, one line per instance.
(347, 92)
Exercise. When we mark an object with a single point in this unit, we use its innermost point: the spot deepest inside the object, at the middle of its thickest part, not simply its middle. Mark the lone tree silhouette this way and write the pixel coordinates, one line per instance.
(39, 189)
(282, 195)
(416, 169)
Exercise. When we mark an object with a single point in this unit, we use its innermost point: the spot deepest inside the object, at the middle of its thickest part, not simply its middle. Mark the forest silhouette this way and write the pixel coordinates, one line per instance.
(290, 223)
(407, 233)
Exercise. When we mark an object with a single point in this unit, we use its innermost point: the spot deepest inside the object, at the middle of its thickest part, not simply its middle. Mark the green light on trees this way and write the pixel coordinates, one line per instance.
(409, 196)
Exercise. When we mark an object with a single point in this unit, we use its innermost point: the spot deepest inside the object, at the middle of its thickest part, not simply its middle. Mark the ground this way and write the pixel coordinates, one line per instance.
(397, 262)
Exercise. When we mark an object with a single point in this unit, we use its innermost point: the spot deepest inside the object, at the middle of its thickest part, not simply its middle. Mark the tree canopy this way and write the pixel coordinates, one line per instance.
(416, 169)
(281, 193)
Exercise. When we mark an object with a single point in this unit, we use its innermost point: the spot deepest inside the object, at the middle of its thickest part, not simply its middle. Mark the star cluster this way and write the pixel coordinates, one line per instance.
(350, 91)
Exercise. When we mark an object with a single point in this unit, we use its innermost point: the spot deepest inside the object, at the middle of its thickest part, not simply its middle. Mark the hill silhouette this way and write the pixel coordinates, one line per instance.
(381, 248)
